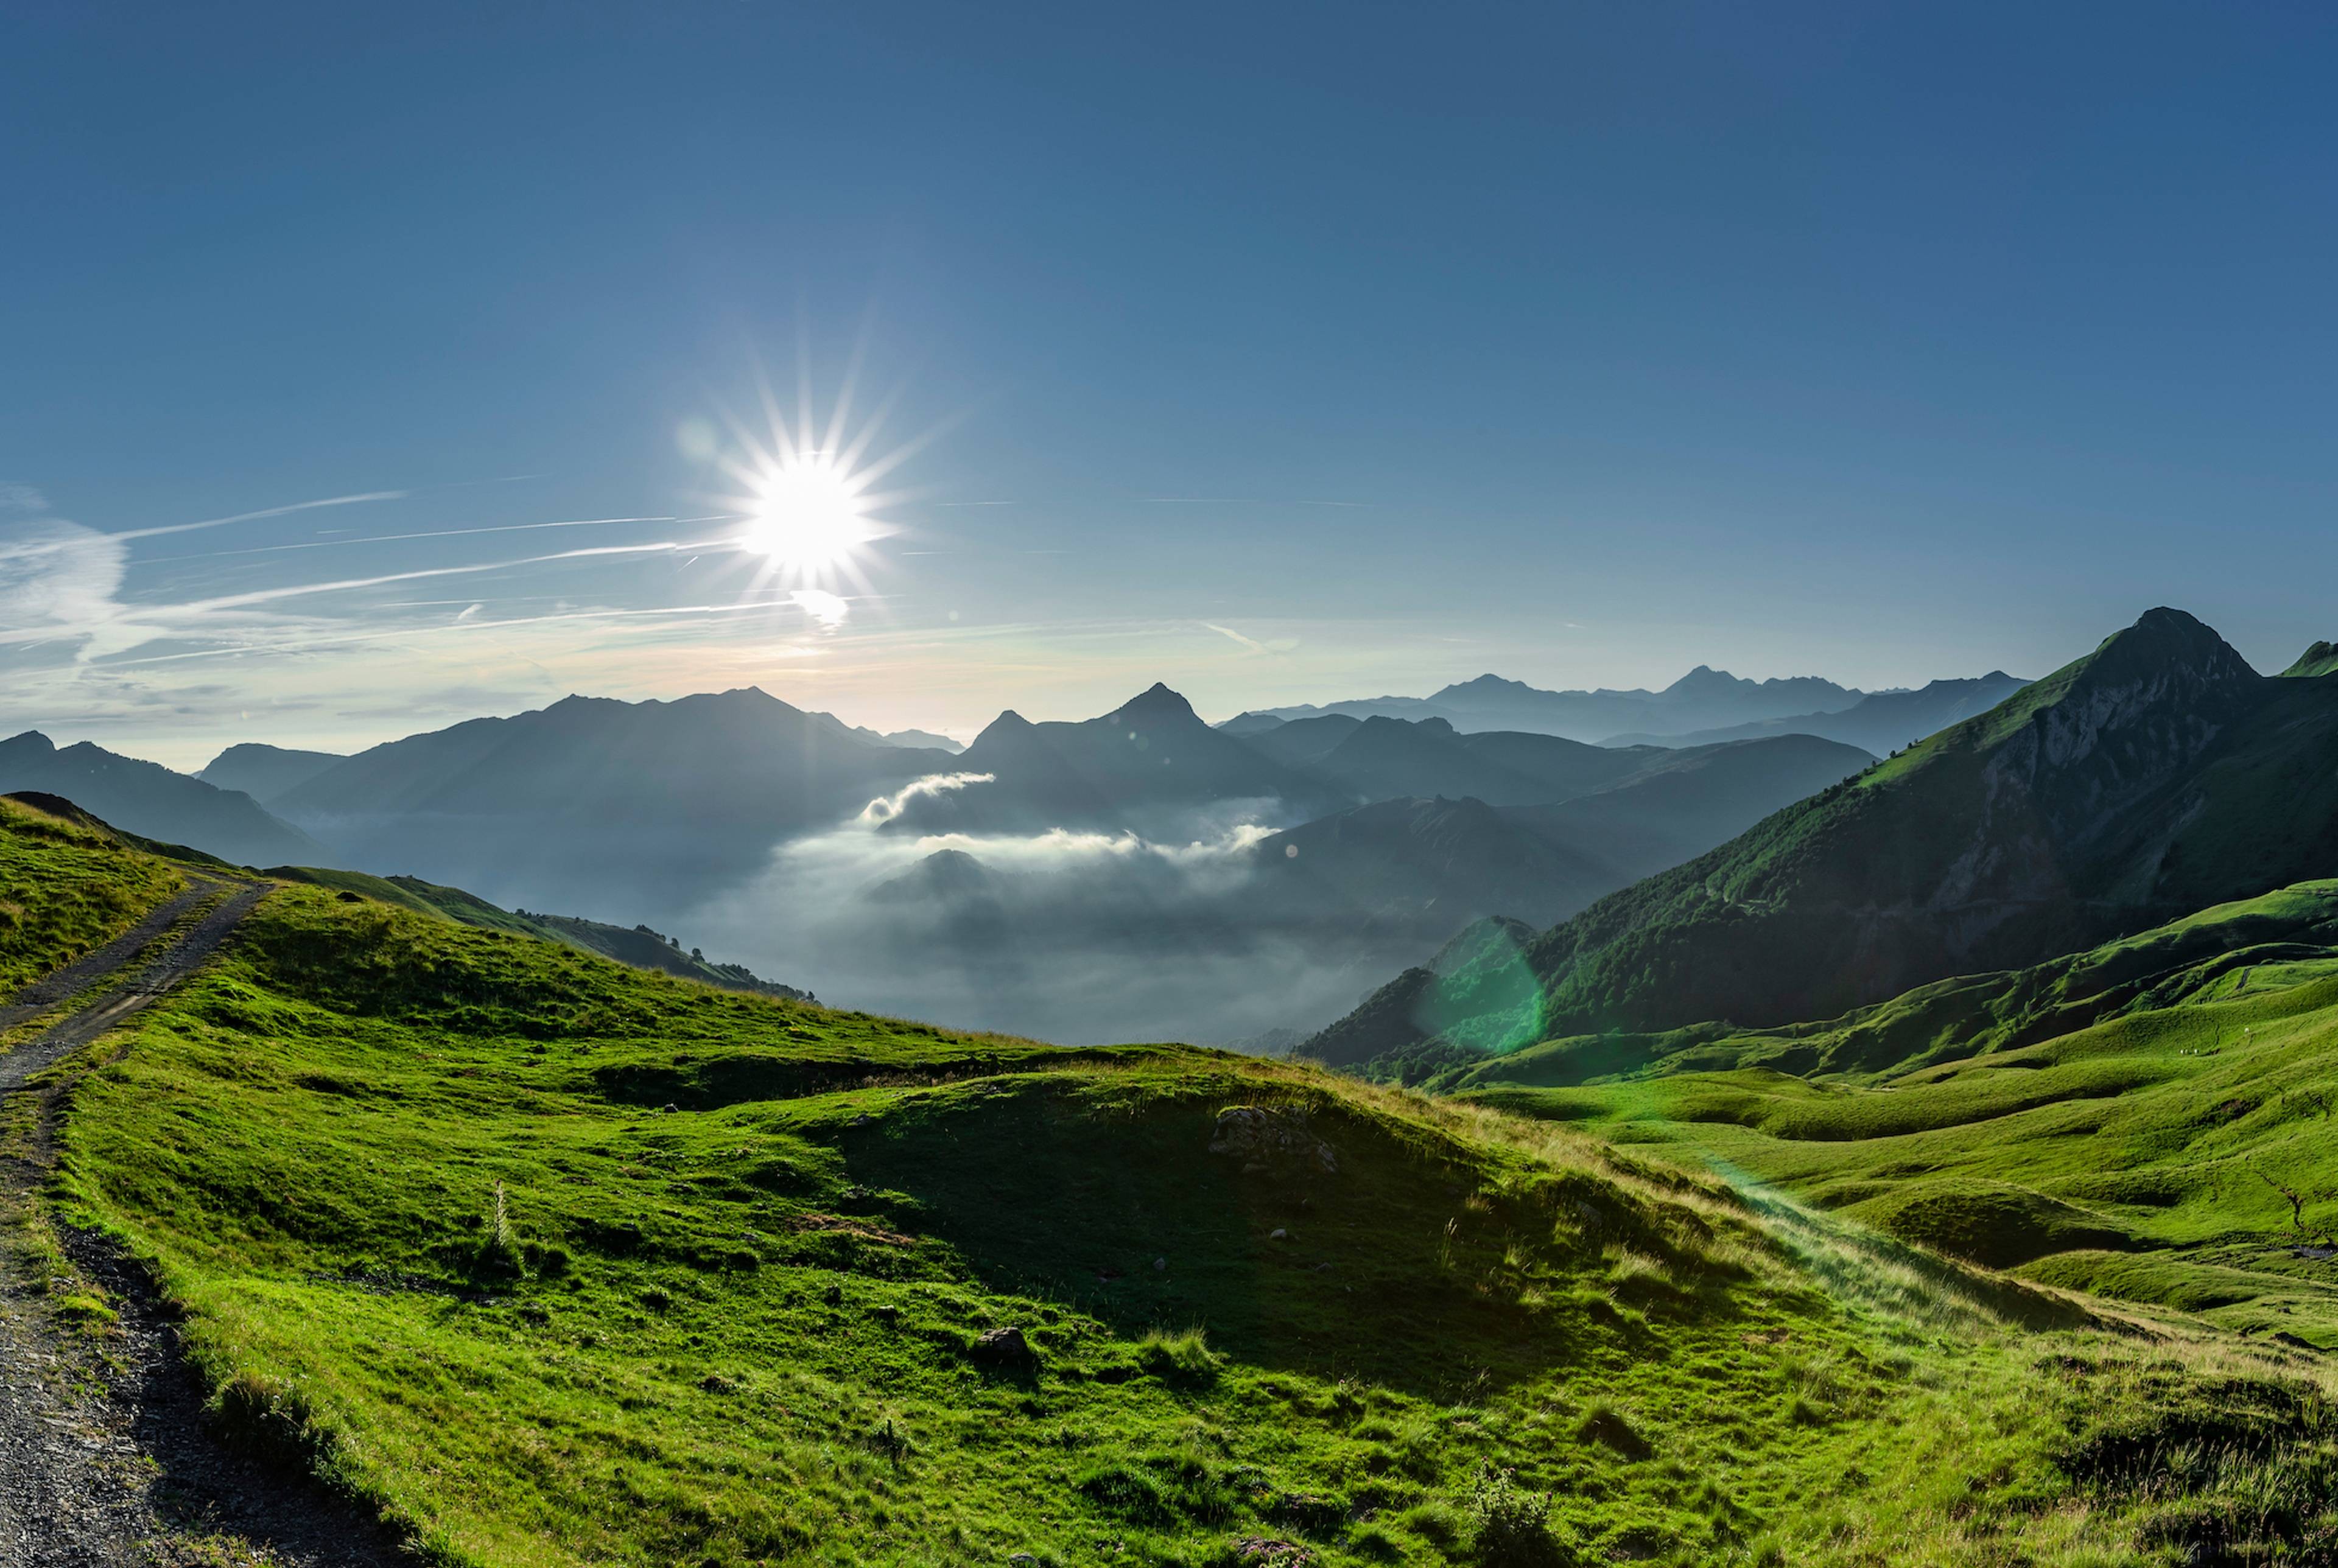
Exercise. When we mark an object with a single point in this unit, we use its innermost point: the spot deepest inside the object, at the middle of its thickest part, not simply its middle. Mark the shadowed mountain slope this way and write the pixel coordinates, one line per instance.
(154, 802)
(1382, 759)
(1686, 802)
(2158, 775)
(265, 772)
(1453, 860)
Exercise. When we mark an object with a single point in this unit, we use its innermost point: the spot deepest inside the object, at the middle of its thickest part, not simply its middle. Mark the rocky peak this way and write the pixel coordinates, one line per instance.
(1155, 705)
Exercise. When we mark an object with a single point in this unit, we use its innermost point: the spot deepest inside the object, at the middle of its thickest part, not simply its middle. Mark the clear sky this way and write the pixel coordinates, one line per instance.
(1283, 352)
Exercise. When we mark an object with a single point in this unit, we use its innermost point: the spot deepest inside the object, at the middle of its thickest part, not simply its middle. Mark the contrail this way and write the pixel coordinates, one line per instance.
(264, 512)
(404, 633)
(270, 595)
(393, 538)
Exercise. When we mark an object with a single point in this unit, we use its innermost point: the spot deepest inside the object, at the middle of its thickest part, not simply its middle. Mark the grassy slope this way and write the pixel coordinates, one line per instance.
(65, 888)
(2125, 1121)
(747, 1245)
(633, 946)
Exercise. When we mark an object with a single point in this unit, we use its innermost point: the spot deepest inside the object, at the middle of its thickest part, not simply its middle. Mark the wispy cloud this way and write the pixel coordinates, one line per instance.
(1252, 643)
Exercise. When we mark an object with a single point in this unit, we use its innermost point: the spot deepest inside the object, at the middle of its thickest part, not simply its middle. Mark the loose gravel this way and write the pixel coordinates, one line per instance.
(107, 1456)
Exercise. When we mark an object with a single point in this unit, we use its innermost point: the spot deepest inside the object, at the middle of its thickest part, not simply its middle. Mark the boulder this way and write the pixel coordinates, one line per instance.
(1271, 1142)
(1002, 1347)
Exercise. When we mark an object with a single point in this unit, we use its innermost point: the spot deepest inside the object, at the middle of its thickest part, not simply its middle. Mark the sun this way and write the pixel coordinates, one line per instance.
(808, 505)
(808, 515)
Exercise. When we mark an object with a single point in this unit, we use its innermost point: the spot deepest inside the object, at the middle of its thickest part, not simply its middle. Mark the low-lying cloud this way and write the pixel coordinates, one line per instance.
(1076, 936)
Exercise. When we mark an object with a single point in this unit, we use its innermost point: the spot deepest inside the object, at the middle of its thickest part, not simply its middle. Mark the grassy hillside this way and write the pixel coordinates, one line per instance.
(635, 946)
(562, 1262)
(67, 884)
(2149, 1121)
(2283, 939)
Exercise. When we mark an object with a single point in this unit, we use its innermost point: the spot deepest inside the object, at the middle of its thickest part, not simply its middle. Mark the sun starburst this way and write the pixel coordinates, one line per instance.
(807, 504)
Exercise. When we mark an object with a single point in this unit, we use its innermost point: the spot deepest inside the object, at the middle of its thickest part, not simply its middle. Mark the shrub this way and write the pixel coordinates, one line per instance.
(1511, 1528)
(1183, 1358)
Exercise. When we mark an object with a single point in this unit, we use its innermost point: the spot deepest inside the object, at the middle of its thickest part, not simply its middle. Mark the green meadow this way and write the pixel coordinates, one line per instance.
(558, 1262)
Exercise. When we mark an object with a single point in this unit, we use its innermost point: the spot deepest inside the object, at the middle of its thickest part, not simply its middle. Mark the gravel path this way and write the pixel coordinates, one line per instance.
(106, 1457)
(63, 985)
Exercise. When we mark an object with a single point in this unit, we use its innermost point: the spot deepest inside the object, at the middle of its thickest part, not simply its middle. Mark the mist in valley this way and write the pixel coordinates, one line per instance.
(1077, 938)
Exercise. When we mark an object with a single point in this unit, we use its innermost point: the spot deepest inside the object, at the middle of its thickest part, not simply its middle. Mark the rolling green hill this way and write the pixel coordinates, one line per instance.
(2148, 1121)
(636, 945)
(2156, 777)
(559, 1262)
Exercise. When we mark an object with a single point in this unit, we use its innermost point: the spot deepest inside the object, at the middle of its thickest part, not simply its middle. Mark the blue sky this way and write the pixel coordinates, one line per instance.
(1281, 352)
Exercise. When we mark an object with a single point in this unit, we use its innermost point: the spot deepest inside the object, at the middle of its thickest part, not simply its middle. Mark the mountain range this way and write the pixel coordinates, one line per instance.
(2158, 775)
(154, 802)
(595, 797)
(1298, 857)
(1881, 723)
(1703, 698)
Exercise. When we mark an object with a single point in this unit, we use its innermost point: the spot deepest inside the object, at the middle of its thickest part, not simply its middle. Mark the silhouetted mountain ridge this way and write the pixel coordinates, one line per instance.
(1704, 698)
(154, 801)
(1881, 723)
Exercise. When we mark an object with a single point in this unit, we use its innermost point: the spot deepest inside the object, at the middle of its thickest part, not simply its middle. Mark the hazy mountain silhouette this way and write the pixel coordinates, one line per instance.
(926, 739)
(1703, 699)
(265, 772)
(592, 795)
(154, 802)
(1881, 723)
(1384, 758)
(2156, 776)
(1143, 765)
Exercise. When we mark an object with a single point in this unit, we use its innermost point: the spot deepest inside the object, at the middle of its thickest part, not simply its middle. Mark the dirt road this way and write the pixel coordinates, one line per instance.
(106, 1455)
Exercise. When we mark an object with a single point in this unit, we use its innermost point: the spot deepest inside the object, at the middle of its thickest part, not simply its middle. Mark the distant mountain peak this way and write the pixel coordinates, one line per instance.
(1155, 704)
(1008, 723)
(1705, 678)
(31, 740)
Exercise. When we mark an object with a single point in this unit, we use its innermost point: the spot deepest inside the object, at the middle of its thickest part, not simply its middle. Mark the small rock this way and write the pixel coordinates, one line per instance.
(1278, 1234)
(1159, 1263)
(1003, 1347)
